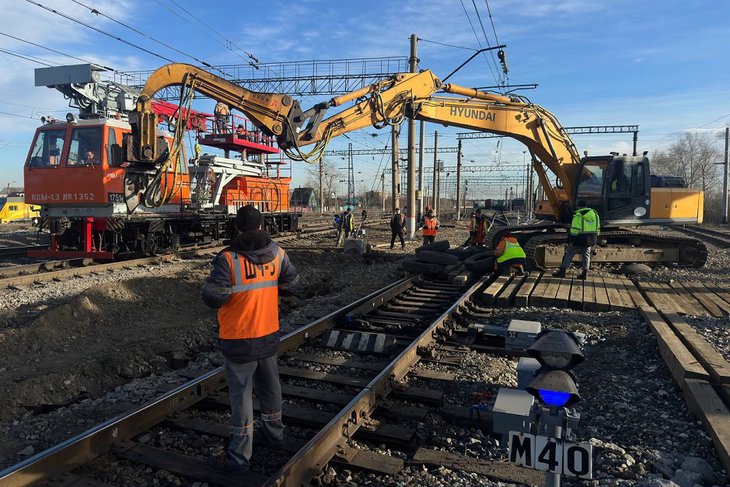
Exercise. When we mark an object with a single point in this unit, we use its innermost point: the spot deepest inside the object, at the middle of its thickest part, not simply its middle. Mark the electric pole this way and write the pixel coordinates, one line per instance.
(350, 176)
(395, 173)
(458, 182)
(411, 181)
(725, 178)
(382, 190)
(321, 188)
(421, 185)
(435, 168)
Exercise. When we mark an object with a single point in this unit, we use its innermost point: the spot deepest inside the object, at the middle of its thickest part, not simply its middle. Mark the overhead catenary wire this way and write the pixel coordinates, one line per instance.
(421, 39)
(100, 31)
(479, 42)
(134, 29)
(52, 50)
(486, 37)
(226, 43)
(28, 58)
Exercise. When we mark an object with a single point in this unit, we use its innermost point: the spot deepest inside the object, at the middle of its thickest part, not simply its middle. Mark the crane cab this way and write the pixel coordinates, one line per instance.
(621, 189)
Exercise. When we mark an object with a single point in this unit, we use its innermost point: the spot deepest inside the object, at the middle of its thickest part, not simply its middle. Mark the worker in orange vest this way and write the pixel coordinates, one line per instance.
(430, 225)
(244, 285)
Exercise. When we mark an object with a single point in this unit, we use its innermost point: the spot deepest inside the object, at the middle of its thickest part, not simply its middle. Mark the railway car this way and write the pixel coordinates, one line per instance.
(75, 173)
(14, 208)
(72, 175)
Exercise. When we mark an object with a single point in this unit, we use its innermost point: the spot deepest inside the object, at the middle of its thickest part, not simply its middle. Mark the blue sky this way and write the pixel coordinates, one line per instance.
(663, 65)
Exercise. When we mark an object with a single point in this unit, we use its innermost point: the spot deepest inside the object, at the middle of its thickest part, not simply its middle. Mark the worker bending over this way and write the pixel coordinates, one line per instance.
(244, 286)
(430, 226)
(477, 228)
(584, 231)
(509, 255)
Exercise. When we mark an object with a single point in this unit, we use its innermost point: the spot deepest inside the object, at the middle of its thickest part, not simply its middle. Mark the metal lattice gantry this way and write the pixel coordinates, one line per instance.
(297, 78)
(588, 129)
(377, 152)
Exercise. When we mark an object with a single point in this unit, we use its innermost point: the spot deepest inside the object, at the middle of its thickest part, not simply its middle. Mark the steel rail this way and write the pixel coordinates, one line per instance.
(83, 447)
(716, 237)
(311, 459)
(19, 251)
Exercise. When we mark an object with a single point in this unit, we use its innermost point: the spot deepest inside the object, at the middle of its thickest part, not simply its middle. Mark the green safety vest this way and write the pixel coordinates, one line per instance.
(585, 220)
(512, 250)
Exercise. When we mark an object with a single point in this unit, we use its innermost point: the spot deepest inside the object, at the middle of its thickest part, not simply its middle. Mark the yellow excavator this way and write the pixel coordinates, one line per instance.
(618, 187)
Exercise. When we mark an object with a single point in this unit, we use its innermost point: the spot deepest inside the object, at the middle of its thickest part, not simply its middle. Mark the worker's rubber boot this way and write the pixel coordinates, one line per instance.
(583, 275)
(559, 273)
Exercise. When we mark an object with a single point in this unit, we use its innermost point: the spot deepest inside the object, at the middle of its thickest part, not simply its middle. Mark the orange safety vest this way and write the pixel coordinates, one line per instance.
(253, 310)
(429, 229)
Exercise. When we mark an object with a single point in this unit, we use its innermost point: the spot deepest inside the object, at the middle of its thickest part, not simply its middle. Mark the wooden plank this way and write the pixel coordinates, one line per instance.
(494, 469)
(432, 374)
(576, 295)
(704, 403)
(691, 305)
(535, 298)
(562, 295)
(546, 298)
(623, 294)
(589, 296)
(494, 289)
(703, 351)
(636, 296)
(680, 361)
(719, 302)
(655, 299)
(420, 394)
(602, 303)
(522, 298)
(614, 298)
(719, 290)
(185, 465)
(681, 305)
(507, 296)
(316, 395)
(697, 290)
(369, 461)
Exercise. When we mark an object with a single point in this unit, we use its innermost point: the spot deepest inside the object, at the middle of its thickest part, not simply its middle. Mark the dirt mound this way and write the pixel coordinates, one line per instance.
(102, 338)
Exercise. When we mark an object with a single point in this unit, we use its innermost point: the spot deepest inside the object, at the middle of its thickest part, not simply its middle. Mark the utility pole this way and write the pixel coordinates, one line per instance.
(321, 188)
(395, 173)
(725, 178)
(458, 181)
(421, 185)
(435, 169)
(382, 190)
(350, 175)
(411, 181)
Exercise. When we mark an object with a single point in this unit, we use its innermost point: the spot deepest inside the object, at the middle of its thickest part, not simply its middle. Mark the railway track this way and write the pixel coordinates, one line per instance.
(379, 338)
(717, 237)
(19, 251)
(23, 275)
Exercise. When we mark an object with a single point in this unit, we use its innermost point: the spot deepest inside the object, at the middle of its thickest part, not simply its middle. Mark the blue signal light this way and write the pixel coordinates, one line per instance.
(554, 398)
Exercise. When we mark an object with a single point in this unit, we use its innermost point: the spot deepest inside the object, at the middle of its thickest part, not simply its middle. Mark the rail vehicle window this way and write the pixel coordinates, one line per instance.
(111, 142)
(47, 148)
(591, 180)
(640, 179)
(85, 148)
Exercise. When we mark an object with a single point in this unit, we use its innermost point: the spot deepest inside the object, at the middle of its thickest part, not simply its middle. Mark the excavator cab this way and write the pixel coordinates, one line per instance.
(618, 187)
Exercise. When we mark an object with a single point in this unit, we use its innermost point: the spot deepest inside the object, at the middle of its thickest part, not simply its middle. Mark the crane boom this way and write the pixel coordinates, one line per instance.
(386, 102)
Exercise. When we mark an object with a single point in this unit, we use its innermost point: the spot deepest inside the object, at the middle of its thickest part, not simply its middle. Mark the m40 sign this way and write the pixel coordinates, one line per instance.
(551, 455)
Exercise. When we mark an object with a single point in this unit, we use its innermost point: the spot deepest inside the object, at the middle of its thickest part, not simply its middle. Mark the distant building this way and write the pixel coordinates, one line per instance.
(303, 198)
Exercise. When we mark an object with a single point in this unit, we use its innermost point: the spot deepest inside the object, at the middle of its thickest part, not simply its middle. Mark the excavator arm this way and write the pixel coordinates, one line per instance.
(386, 102)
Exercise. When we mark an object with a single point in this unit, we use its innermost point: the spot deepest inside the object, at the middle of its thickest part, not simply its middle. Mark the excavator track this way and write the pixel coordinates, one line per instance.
(544, 246)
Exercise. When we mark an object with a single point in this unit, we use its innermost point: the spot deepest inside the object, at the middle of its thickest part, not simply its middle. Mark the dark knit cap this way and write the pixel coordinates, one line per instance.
(248, 218)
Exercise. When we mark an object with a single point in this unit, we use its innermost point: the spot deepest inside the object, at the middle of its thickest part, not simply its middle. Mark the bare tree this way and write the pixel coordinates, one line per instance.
(693, 157)
(330, 177)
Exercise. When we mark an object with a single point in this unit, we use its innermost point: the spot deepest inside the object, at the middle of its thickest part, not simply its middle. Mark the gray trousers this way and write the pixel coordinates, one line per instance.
(263, 375)
(571, 251)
